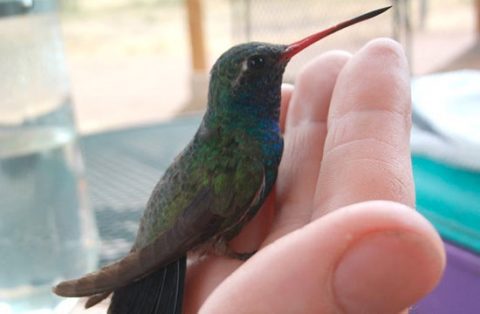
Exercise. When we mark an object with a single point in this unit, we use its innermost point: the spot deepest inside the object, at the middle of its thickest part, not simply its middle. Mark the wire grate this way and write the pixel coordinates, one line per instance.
(122, 168)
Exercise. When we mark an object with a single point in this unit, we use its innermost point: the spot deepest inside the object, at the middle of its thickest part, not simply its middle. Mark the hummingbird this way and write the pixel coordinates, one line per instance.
(213, 187)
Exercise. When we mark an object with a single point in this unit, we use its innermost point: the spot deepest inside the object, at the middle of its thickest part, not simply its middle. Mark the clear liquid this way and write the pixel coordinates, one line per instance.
(46, 232)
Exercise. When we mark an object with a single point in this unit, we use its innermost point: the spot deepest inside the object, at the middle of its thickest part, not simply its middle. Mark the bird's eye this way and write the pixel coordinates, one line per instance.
(256, 62)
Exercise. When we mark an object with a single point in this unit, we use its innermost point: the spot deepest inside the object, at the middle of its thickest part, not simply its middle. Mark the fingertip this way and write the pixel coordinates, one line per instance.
(385, 47)
(376, 77)
(332, 60)
(313, 88)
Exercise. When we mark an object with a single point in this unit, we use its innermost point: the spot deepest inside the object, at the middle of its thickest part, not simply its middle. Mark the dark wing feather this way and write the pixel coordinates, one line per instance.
(188, 231)
(161, 292)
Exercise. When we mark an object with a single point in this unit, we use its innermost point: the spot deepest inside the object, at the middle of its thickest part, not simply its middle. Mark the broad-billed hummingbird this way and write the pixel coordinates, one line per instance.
(214, 186)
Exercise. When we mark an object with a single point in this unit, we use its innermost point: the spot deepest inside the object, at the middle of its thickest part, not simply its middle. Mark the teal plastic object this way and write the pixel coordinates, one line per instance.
(449, 198)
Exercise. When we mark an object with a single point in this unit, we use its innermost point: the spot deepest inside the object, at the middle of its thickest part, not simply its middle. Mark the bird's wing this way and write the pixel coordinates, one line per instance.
(223, 192)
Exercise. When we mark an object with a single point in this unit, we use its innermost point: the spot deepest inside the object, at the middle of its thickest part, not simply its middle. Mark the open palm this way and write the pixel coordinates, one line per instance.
(338, 233)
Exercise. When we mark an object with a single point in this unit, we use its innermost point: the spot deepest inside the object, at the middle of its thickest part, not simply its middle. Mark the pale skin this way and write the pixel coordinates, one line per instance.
(339, 234)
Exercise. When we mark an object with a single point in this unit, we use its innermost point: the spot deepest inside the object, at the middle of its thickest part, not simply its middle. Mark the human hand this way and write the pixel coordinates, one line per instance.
(326, 244)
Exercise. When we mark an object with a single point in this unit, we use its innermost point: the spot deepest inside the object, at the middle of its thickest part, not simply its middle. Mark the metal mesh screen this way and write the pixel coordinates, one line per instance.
(285, 21)
(122, 168)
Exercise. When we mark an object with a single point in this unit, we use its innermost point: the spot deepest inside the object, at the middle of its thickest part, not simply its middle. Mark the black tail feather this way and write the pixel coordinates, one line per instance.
(158, 293)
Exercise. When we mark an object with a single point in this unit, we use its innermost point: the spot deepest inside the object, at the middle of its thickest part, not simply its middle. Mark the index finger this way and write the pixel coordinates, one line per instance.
(366, 153)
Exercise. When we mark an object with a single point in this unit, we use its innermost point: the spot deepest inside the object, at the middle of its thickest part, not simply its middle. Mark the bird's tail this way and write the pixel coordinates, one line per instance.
(158, 293)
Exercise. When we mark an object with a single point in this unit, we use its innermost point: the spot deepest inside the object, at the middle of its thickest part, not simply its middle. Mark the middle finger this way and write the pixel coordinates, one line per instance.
(305, 130)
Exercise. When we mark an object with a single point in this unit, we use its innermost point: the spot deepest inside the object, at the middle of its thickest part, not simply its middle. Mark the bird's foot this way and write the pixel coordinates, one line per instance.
(243, 256)
(222, 248)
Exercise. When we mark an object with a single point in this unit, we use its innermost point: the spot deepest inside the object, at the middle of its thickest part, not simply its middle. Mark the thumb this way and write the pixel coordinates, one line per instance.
(371, 257)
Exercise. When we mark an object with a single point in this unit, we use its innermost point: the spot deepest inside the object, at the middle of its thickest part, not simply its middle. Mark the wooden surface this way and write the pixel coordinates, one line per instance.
(197, 38)
(477, 16)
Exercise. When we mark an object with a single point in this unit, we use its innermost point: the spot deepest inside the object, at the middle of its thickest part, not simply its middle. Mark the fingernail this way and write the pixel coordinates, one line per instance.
(384, 272)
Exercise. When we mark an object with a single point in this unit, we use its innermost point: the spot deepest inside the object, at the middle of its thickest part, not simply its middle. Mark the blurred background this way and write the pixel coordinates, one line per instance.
(98, 99)
(138, 53)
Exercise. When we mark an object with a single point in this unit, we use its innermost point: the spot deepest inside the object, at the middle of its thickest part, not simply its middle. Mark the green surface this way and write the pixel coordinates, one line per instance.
(450, 198)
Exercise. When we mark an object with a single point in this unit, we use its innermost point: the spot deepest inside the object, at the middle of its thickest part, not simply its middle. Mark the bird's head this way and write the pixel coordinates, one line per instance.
(247, 72)
(247, 77)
